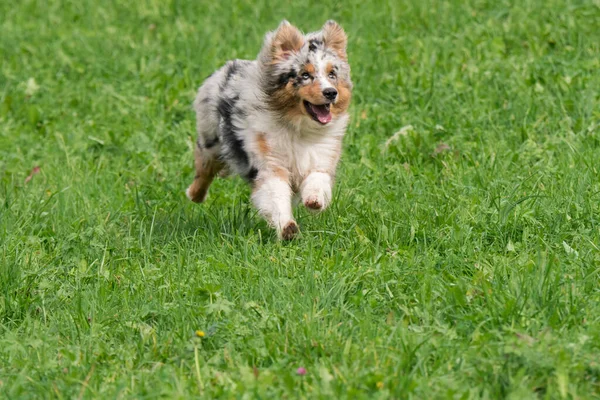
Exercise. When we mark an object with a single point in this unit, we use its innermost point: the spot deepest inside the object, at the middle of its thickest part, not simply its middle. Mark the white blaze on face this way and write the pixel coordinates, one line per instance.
(320, 62)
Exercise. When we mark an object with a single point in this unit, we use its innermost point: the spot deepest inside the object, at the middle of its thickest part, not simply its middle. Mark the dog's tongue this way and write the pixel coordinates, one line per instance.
(322, 112)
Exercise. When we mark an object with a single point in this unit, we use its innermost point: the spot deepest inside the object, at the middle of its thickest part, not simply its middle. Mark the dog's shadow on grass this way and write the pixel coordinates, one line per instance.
(208, 221)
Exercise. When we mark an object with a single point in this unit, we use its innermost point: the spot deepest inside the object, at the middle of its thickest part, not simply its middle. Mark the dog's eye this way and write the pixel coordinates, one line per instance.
(331, 75)
(306, 76)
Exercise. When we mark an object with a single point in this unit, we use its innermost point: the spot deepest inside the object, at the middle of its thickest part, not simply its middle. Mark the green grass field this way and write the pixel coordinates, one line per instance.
(460, 258)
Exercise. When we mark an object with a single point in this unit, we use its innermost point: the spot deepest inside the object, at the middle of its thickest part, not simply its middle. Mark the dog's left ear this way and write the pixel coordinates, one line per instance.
(335, 38)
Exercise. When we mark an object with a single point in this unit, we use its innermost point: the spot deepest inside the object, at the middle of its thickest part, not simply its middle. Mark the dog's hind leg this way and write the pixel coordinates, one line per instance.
(207, 166)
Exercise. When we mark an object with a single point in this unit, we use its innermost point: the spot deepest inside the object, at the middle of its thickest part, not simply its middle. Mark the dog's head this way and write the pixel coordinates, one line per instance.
(307, 76)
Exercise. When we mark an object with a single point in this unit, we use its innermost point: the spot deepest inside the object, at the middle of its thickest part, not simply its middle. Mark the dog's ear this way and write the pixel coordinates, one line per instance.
(335, 38)
(285, 41)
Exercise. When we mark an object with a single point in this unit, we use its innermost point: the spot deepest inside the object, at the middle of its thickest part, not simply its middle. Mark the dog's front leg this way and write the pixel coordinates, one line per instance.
(316, 191)
(272, 196)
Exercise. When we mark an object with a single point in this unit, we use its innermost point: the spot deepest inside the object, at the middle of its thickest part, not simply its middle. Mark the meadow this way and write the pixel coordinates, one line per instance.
(460, 257)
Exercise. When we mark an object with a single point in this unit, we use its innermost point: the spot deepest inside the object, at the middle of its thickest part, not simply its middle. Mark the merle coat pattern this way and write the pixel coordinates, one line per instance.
(277, 121)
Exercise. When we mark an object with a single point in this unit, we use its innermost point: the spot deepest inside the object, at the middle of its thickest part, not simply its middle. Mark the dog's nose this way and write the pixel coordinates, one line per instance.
(330, 93)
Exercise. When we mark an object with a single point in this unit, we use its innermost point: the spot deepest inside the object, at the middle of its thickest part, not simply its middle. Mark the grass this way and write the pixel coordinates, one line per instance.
(460, 260)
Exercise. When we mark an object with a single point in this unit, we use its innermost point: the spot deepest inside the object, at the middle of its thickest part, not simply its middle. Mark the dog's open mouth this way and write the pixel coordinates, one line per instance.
(319, 113)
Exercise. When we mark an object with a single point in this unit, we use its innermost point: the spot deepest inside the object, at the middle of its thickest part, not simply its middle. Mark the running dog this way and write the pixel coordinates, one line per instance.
(278, 122)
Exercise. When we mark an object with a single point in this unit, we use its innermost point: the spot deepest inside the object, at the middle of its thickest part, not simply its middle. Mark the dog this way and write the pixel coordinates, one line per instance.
(278, 122)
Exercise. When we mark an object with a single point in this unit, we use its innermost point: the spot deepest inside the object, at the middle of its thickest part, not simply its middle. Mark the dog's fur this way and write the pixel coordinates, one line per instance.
(269, 121)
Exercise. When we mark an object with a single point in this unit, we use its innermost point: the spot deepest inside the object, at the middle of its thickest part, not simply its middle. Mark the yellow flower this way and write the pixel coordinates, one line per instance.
(200, 333)
(379, 385)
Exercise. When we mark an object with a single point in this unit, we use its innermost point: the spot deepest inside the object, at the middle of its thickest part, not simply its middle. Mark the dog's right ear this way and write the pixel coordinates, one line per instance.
(282, 43)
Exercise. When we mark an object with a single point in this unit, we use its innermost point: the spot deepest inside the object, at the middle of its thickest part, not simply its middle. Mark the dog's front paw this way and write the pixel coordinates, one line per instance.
(316, 191)
(314, 203)
(289, 231)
